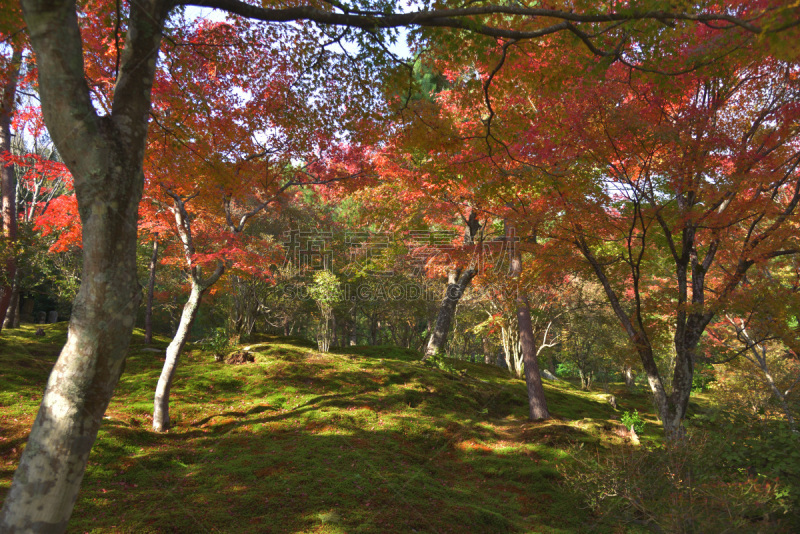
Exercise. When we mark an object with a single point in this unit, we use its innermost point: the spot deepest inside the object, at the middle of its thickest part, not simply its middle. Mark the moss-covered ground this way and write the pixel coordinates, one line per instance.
(364, 439)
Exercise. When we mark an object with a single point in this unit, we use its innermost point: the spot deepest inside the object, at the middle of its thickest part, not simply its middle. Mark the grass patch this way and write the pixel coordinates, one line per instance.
(363, 439)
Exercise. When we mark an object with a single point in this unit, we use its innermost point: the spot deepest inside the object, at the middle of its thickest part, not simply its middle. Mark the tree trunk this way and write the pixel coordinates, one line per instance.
(536, 401)
(502, 360)
(678, 401)
(199, 286)
(161, 421)
(8, 182)
(105, 157)
(83, 379)
(630, 377)
(537, 404)
(509, 338)
(456, 284)
(13, 313)
(354, 328)
(334, 336)
(151, 284)
(373, 330)
(587, 376)
(758, 357)
(487, 350)
(787, 412)
(671, 409)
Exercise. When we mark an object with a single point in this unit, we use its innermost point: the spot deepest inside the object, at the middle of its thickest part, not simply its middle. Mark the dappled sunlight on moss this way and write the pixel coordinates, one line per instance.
(364, 439)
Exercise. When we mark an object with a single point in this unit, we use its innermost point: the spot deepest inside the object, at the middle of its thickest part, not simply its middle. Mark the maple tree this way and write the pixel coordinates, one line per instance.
(728, 158)
(592, 341)
(699, 171)
(434, 164)
(244, 154)
(42, 181)
(691, 179)
(420, 189)
(755, 338)
(101, 130)
(439, 183)
(443, 229)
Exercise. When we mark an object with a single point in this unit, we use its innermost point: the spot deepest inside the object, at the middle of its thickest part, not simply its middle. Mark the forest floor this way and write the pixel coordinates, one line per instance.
(363, 439)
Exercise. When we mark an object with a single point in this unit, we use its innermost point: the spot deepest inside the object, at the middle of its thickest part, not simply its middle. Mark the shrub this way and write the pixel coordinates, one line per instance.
(675, 488)
(633, 420)
(218, 344)
(440, 361)
(766, 450)
(703, 375)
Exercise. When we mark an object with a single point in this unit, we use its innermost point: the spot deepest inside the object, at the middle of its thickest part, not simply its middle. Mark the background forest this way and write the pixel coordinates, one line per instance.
(564, 234)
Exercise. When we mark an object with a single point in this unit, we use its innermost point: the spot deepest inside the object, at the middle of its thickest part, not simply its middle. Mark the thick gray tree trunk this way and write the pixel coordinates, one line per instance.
(457, 283)
(104, 156)
(151, 284)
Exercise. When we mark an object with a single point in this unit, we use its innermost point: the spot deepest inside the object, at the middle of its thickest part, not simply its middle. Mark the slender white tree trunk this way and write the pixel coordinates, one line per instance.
(161, 420)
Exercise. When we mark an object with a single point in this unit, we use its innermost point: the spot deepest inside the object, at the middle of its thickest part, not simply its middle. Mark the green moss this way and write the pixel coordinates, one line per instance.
(363, 439)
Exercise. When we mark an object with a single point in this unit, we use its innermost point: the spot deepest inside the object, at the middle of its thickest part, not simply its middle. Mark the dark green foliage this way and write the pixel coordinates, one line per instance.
(441, 362)
(633, 420)
(702, 377)
(218, 343)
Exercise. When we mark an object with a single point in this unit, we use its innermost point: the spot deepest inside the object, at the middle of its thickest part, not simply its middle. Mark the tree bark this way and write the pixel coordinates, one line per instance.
(8, 181)
(151, 284)
(630, 378)
(456, 284)
(334, 342)
(161, 421)
(13, 312)
(199, 286)
(105, 157)
(672, 408)
(759, 358)
(487, 350)
(354, 328)
(373, 329)
(537, 403)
